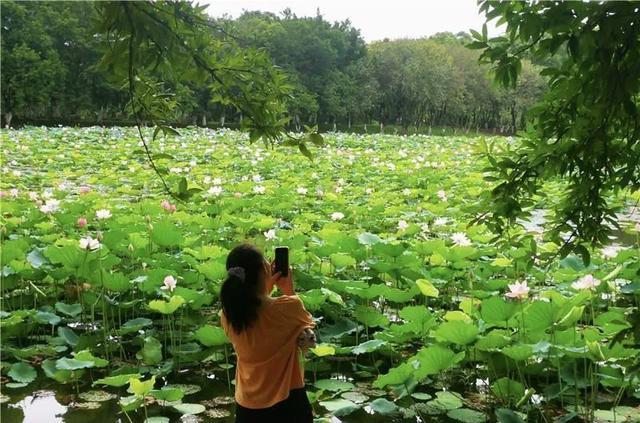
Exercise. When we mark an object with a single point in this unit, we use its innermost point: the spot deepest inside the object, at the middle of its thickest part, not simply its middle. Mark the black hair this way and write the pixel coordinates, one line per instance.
(239, 293)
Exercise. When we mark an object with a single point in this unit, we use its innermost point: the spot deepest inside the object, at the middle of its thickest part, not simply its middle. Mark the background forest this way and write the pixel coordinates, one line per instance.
(51, 74)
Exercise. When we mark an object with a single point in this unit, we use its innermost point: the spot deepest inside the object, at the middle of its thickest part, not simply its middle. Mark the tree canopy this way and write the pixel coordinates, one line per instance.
(585, 129)
(322, 73)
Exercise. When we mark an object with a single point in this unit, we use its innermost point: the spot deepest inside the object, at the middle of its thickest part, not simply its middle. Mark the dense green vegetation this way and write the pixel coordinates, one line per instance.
(587, 128)
(111, 287)
(51, 73)
(453, 279)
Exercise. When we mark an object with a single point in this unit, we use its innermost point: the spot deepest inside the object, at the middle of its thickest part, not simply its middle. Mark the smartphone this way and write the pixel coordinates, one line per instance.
(282, 260)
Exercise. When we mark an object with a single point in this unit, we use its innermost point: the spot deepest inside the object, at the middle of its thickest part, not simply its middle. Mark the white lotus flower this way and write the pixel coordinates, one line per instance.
(424, 227)
(586, 282)
(301, 191)
(14, 192)
(338, 189)
(259, 189)
(215, 190)
(402, 225)
(257, 178)
(610, 251)
(406, 192)
(518, 290)
(442, 195)
(50, 206)
(337, 216)
(216, 181)
(270, 235)
(103, 214)
(368, 190)
(440, 221)
(460, 238)
(33, 196)
(207, 179)
(89, 243)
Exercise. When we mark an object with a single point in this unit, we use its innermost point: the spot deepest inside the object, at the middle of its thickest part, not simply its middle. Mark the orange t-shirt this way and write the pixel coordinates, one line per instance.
(267, 361)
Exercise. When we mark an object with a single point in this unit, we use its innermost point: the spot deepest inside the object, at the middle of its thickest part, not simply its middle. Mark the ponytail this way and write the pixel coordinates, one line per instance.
(240, 290)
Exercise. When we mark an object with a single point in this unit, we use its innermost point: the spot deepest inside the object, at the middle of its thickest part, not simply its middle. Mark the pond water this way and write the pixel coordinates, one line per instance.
(620, 238)
(45, 401)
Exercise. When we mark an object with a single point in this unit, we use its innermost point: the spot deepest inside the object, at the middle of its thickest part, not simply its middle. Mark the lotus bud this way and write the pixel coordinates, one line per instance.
(99, 236)
(130, 247)
(150, 226)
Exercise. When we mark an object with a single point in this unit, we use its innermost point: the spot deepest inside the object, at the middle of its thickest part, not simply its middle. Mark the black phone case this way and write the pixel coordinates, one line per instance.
(282, 260)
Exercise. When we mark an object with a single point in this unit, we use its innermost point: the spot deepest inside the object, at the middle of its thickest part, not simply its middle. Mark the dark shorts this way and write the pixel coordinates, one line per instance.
(295, 409)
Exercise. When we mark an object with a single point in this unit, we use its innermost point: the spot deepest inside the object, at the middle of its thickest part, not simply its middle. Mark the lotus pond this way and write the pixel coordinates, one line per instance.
(110, 287)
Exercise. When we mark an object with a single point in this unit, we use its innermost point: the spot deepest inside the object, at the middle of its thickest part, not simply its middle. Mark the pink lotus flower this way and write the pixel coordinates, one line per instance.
(3, 194)
(586, 282)
(84, 189)
(168, 206)
(518, 290)
(82, 222)
(169, 283)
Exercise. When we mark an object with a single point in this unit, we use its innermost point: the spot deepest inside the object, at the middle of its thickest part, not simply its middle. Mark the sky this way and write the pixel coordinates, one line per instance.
(376, 19)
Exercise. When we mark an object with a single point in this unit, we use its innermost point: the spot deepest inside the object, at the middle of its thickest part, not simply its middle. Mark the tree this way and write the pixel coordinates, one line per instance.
(318, 56)
(417, 79)
(31, 67)
(586, 128)
(153, 47)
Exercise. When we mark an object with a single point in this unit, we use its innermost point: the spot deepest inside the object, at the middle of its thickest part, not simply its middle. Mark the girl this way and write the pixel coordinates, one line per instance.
(266, 333)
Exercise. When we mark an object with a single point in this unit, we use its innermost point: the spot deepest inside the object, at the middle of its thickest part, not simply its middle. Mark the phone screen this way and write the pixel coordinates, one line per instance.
(282, 260)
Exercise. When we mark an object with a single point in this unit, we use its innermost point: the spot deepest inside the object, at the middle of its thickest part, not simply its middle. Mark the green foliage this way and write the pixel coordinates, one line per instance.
(586, 128)
(374, 322)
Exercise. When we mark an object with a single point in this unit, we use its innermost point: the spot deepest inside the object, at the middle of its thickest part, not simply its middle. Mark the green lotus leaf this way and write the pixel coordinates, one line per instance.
(22, 372)
(186, 408)
(211, 336)
(333, 385)
(71, 310)
(167, 307)
(340, 407)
